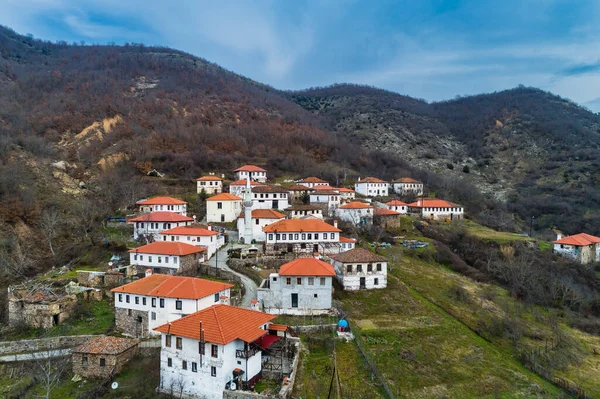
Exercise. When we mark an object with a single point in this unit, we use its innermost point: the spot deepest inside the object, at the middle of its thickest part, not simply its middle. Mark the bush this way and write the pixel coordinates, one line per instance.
(466, 169)
(450, 166)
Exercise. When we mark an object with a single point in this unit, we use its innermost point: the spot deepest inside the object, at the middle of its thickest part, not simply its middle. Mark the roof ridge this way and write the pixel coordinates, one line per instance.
(214, 308)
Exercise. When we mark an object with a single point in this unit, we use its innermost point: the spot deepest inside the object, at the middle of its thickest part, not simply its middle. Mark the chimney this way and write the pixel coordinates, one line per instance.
(148, 272)
(419, 202)
(222, 175)
(209, 227)
(358, 178)
(335, 223)
(558, 236)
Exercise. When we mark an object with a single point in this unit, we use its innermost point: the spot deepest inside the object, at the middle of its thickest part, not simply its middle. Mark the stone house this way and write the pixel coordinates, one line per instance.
(256, 173)
(386, 218)
(38, 307)
(223, 208)
(360, 269)
(301, 236)
(372, 187)
(407, 186)
(157, 299)
(195, 235)
(260, 219)
(303, 286)
(300, 211)
(436, 209)
(330, 199)
(159, 204)
(150, 225)
(103, 357)
(210, 184)
(297, 192)
(583, 248)
(355, 212)
(167, 257)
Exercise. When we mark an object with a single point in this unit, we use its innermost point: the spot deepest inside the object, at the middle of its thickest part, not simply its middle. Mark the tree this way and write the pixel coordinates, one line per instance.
(50, 367)
(50, 222)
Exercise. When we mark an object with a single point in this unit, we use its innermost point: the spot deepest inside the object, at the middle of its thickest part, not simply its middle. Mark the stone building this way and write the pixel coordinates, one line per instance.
(38, 306)
(386, 218)
(583, 248)
(360, 269)
(103, 357)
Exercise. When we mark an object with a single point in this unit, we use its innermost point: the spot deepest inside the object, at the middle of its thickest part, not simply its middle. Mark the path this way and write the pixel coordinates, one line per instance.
(222, 257)
(35, 355)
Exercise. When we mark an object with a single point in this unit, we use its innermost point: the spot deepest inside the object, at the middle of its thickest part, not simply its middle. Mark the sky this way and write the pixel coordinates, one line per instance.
(434, 50)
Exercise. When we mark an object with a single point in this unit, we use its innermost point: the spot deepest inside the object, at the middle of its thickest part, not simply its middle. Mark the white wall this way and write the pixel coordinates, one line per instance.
(442, 213)
(407, 188)
(228, 213)
(180, 209)
(304, 237)
(278, 298)
(372, 189)
(398, 208)
(355, 216)
(347, 246)
(297, 214)
(257, 229)
(267, 200)
(257, 176)
(154, 228)
(332, 201)
(351, 279)
(210, 187)
(212, 243)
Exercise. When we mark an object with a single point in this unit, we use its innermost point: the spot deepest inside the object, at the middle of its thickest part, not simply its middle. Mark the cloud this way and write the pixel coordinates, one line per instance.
(582, 69)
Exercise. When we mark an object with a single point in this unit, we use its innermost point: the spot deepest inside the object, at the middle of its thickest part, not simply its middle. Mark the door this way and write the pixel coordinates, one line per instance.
(363, 283)
(316, 248)
(275, 204)
(294, 300)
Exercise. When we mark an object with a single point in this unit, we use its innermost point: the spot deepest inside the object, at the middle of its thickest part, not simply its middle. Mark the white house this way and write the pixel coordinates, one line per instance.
(255, 173)
(260, 219)
(407, 186)
(212, 350)
(372, 187)
(360, 269)
(435, 209)
(398, 206)
(210, 184)
(152, 301)
(198, 236)
(312, 181)
(347, 244)
(582, 247)
(270, 197)
(302, 236)
(331, 199)
(238, 188)
(223, 208)
(346, 194)
(167, 257)
(355, 212)
(150, 225)
(159, 204)
(299, 211)
(303, 286)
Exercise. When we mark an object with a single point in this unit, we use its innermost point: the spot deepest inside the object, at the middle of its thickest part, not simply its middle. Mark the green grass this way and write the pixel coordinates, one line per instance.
(289, 320)
(265, 386)
(485, 233)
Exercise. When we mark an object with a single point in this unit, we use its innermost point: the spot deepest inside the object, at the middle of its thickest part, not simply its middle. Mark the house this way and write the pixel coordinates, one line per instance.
(328, 198)
(299, 211)
(210, 184)
(582, 247)
(255, 173)
(346, 194)
(312, 181)
(302, 286)
(386, 218)
(360, 269)
(198, 236)
(167, 257)
(269, 197)
(103, 357)
(150, 225)
(436, 209)
(347, 244)
(238, 187)
(355, 212)
(372, 187)
(398, 206)
(223, 208)
(212, 350)
(298, 192)
(260, 219)
(407, 186)
(159, 204)
(38, 306)
(157, 299)
(301, 236)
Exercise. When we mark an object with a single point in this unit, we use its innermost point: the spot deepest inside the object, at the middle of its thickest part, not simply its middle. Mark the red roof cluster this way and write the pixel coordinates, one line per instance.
(358, 255)
(307, 267)
(312, 179)
(161, 217)
(433, 203)
(406, 180)
(396, 203)
(162, 201)
(167, 286)
(579, 240)
(385, 212)
(168, 248)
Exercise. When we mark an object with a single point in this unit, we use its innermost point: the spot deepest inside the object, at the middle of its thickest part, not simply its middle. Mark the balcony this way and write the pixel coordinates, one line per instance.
(246, 353)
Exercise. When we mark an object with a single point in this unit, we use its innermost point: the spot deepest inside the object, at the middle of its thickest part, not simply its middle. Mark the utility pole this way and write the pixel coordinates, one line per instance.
(531, 226)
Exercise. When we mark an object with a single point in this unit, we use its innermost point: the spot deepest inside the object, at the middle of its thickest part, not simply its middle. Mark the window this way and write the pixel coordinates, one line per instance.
(178, 304)
(284, 236)
(194, 367)
(153, 315)
(137, 300)
(201, 346)
(270, 237)
(128, 312)
(316, 236)
(170, 362)
(219, 205)
(303, 236)
(288, 281)
(160, 259)
(278, 236)
(84, 361)
(153, 302)
(102, 362)
(127, 298)
(178, 343)
(359, 268)
(322, 281)
(299, 280)
(120, 297)
(144, 301)
(168, 340)
(214, 350)
(310, 236)
(162, 302)
(257, 221)
(149, 258)
(349, 269)
(217, 297)
(369, 267)
(274, 278)
(296, 236)
(316, 296)
(311, 281)
(213, 371)
(184, 364)
(376, 281)
(332, 236)
(379, 267)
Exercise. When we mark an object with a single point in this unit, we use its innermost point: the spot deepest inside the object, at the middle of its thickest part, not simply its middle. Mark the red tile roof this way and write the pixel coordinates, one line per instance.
(433, 203)
(297, 225)
(406, 180)
(249, 168)
(344, 190)
(324, 192)
(385, 212)
(106, 346)
(371, 180)
(222, 324)
(307, 267)
(168, 248)
(299, 187)
(579, 240)
(278, 327)
(396, 203)
(190, 231)
(264, 214)
(324, 188)
(346, 239)
(161, 217)
(356, 205)
(242, 182)
(162, 201)
(209, 178)
(167, 286)
(224, 197)
(358, 255)
(312, 179)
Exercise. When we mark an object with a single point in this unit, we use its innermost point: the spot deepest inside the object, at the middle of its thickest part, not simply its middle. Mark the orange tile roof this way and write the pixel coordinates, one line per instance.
(167, 286)
(406, 180)
(356, 205)
(346, 239)
(264, 214)
(385, 212)
(278, 327)
(294, 225)
(269, 189)
(222, 324)
(433, 203)
(324, 188)
(162, 201)
(579, 240)
(224, 197)
(344, 190)
(312, 179)
(161, 217)
(371, 180)
(190, 231)
(249, 168)
(168, 248)
(396, 203)
(106, 346)
(358, 255)
(324, 192)
(307, 267)
(209, 178)
(299, 187)
(242, 182)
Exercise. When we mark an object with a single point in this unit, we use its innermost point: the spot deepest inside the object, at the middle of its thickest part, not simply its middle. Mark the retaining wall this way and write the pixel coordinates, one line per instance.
(40, 344)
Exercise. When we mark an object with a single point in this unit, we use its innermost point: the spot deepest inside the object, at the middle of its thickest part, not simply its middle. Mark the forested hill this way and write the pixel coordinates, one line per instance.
(532, 150)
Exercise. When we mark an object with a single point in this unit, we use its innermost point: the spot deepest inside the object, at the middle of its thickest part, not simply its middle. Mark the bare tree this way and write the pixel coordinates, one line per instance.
(50, 222)
(49, 369)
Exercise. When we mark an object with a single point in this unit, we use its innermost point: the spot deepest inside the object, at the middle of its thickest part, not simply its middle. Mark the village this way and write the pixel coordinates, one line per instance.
(185, 288)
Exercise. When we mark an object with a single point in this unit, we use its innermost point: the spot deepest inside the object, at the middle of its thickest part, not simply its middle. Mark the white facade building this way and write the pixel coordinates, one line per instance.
(360, 269)
(329, 198)
(372, 187)
(436, 209)
(306, 236)
(210, 184)
(346, 194)
(238, 188)
(312, 181)
(260, 219)
(356, 213)
(254, 172)
(160, 204)
(347, 244)
(198, 236)
(167, 257)
(303, 286)
(270, 197)
(300, 211)
(397, 206)
(583, 248)
(150, 225)
(406, 186)
(223, 208)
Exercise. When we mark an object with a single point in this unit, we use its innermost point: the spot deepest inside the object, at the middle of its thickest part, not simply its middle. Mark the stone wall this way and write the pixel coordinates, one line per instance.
(267, 262)
(206, 270)
(133, 323)
(41, 344)
(244, 395)
(92, 368)
(40, 314)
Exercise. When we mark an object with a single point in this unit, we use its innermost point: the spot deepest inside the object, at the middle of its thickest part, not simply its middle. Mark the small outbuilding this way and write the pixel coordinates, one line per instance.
(103, 357)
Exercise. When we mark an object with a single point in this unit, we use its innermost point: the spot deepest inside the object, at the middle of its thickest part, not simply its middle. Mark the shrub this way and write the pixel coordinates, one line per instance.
(466, 169)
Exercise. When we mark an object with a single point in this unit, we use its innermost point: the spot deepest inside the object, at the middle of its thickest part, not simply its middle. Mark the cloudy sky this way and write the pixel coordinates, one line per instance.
(429, 49)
